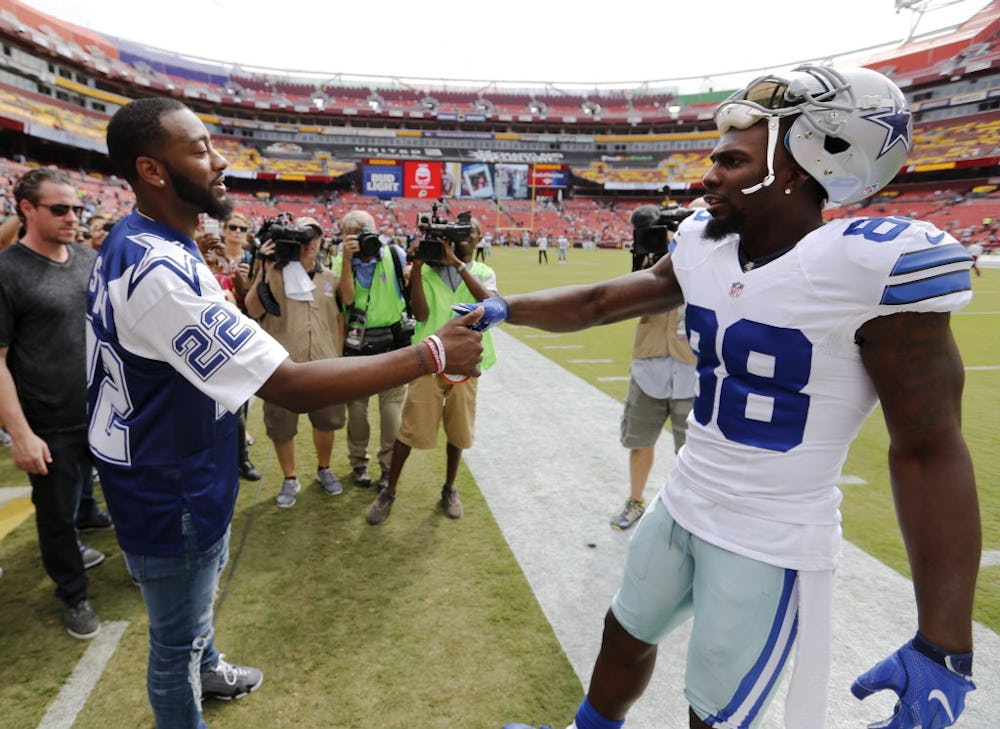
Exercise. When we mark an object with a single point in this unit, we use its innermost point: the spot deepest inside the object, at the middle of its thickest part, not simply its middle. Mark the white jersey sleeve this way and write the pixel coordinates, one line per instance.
(169, 307)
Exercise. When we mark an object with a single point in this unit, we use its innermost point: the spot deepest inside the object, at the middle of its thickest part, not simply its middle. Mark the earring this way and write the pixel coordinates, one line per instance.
(164, 182)
(788, 191)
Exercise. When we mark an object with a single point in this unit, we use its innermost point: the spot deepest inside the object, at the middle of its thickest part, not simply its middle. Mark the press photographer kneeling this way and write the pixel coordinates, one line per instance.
(373, 294)
(295, 300)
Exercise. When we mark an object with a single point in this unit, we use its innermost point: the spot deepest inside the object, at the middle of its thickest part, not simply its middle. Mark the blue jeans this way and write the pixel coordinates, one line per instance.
(179, 593)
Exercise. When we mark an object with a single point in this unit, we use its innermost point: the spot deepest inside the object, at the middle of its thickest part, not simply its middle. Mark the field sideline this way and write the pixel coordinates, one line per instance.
(500, 659)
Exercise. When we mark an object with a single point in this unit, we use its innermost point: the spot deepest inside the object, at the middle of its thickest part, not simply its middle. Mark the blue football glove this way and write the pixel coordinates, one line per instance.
(495, 311)
(931, 685)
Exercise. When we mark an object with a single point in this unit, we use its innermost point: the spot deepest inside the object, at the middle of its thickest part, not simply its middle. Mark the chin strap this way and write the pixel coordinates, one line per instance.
(772, 142)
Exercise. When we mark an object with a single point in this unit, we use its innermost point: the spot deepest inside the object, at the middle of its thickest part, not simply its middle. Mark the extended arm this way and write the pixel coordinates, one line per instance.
(918, 373)
(570, 308)
(305, 386)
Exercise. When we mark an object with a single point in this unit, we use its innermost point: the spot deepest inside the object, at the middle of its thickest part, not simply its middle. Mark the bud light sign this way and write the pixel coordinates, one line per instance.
(382, 181)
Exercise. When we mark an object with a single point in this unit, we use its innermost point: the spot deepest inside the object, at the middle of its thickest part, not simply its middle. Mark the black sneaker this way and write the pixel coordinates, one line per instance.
(361, 477)
(378, 512)
(248, 472)
(227, 681)
(81, 621)
(96, 522)
(450, 502)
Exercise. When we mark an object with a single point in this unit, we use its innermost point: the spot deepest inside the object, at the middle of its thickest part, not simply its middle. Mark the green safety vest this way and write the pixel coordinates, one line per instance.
(440, 297)
(384, 300)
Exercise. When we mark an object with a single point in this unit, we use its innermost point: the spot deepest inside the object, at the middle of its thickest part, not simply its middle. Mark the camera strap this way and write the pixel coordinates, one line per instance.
(403, 289)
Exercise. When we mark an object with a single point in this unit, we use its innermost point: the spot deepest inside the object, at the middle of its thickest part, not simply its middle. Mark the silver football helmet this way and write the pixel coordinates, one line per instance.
(853, 130)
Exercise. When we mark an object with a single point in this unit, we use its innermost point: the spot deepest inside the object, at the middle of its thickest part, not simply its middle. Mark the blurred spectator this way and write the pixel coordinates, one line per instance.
(98, 225)
(236, 259)
(976, 250)
(10, 230)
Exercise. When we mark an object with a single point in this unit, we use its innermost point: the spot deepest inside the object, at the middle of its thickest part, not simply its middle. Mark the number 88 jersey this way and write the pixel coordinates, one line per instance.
(781, 388)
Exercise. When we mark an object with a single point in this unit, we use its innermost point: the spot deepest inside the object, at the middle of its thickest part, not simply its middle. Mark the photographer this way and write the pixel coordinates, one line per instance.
(373, 293)
(442, 275)
(662, 377)
(295, 301)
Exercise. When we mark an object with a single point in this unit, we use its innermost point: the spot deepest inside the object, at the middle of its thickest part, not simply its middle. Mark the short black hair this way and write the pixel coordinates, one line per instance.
(27, 187)
(135, 130)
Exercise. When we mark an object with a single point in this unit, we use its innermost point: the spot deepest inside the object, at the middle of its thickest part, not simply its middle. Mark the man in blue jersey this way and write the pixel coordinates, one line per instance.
(170, 362)
(799, 328)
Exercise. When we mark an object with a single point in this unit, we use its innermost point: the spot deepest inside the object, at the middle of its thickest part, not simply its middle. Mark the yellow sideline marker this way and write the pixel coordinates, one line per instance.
(13, 512)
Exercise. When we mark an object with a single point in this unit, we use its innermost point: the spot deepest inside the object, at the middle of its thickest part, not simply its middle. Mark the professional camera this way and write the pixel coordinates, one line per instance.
(288, 239)
(650, 225)
(369, 244)
(438, 232)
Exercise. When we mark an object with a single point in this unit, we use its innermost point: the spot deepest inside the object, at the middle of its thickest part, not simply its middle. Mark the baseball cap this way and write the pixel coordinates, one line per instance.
(308, 222)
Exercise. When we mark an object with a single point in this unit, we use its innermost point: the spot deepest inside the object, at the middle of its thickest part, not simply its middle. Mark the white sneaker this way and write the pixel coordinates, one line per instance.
(629, 515)
(91, 557)
(286, 497)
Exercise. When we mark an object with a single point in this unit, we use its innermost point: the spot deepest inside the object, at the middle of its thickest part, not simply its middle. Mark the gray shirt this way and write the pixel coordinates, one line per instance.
(43, 306)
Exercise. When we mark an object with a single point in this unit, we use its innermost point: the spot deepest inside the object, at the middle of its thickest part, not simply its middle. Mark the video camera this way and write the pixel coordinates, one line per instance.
(437, 232)
(288, 239)
(650, 225)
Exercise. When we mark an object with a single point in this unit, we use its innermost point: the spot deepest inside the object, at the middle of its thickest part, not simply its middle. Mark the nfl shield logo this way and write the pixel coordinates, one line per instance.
(736, 289)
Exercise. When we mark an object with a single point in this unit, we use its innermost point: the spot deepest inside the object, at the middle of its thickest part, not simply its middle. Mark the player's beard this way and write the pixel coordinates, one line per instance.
(202, 198)
(719, 228)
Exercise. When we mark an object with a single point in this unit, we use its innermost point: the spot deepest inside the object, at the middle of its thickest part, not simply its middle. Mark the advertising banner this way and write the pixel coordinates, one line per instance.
(422, 179)
(383, 181)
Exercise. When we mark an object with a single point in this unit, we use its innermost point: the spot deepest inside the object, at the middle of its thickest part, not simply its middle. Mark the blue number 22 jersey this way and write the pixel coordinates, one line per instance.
(169, 361)
(781, 388)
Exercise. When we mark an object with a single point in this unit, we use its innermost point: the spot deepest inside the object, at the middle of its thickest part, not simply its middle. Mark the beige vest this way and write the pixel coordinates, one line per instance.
(309, 330)
(656, 336)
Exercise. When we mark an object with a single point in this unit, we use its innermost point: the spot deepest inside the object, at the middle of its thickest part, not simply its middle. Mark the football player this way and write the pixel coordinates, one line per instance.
(800, 328)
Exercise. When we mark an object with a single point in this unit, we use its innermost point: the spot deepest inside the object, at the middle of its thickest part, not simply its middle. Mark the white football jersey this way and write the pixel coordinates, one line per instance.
(782, 391)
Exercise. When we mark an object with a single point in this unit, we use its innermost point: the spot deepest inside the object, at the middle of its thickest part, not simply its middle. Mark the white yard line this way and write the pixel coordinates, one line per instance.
(73, 695)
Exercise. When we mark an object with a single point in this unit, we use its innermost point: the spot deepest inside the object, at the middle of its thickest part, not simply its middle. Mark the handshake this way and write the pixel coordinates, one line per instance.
(495, 311)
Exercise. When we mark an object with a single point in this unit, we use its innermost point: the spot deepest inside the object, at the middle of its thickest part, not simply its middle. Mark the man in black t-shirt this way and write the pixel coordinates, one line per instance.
(43, 377)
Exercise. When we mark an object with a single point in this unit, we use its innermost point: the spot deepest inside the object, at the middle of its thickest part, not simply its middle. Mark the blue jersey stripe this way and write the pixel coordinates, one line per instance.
(929, 258)
(927, 288)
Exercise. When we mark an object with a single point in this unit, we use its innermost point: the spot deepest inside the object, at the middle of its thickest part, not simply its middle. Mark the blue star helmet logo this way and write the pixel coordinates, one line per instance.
(898, 124)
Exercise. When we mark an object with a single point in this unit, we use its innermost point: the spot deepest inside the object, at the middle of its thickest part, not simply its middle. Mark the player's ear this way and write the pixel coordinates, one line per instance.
(151, 171)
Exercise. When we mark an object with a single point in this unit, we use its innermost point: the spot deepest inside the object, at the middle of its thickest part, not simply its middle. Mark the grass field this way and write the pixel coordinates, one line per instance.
(421, 622)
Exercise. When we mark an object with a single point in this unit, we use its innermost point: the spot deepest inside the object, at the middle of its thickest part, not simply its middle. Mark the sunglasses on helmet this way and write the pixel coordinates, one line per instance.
(807, 90)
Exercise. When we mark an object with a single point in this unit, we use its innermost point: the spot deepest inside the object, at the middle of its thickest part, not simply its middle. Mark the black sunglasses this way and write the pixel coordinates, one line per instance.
(240, 228)
(60, 209)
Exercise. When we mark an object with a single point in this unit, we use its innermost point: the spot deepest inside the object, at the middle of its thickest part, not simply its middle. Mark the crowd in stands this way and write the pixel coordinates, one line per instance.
(965, 211)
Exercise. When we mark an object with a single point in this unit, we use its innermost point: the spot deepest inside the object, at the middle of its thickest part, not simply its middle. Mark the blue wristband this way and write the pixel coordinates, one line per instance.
(960, 663)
